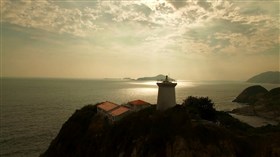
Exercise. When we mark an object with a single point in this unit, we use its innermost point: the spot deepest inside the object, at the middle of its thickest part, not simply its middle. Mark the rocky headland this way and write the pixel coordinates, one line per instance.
(260, 102)
(192, 129)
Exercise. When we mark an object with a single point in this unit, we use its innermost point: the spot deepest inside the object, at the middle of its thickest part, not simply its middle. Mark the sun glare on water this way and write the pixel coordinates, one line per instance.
(180, 83)
(184, 84)
(146, 90)
(146, 83)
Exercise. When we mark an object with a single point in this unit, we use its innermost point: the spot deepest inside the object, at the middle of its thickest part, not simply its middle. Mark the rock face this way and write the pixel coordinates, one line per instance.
(266, 77)
(251, 94)
(149, 133)
(154, 78)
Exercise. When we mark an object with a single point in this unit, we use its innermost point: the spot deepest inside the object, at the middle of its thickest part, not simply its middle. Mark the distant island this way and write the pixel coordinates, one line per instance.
(159, 77)
(128, 78)
(266, 77)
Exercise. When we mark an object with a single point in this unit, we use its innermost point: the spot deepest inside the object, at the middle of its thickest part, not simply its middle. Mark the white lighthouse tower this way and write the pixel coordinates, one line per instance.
(166, 94)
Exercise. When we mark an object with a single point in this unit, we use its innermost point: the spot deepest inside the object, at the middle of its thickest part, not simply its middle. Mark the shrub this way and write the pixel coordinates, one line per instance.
(203, 106)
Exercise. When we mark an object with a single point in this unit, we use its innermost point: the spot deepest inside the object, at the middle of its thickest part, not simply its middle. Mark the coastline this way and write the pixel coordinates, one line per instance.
(262, 117)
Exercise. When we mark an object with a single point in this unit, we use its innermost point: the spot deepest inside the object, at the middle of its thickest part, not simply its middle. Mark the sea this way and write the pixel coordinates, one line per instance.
(34, 109)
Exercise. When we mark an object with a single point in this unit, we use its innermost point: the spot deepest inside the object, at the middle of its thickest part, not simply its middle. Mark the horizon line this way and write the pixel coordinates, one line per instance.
(96, 78)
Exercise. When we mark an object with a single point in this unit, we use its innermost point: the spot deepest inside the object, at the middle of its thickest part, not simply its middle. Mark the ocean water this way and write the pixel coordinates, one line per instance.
(33, 110)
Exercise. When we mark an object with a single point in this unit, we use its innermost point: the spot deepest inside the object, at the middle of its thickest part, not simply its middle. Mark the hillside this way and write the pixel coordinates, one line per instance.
(155, 78)
(251, 94)
(266, 77)
(176, 132)
(261, 102)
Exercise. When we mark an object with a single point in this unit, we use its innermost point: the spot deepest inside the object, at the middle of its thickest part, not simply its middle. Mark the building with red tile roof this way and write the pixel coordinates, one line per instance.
(113, 111)
(120, 110)
(118, 113)
(106, 107)
(137, 105)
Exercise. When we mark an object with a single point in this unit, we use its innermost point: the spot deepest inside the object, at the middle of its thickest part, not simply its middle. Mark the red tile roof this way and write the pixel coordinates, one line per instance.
(119, 111)
(138, 102)
(107, 106)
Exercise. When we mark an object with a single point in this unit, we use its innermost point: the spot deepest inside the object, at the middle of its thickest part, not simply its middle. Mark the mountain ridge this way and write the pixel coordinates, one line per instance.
(266, 77)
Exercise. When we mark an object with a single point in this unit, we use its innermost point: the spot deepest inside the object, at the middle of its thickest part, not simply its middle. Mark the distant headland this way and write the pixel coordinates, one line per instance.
(266, 77)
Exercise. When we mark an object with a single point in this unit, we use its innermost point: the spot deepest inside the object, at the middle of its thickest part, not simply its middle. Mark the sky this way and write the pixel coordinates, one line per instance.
(190, 40)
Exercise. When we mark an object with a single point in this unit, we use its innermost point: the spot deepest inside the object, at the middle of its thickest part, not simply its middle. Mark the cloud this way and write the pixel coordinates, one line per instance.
(204, 4)
(178, 3)
(45, 15)
(201, 27)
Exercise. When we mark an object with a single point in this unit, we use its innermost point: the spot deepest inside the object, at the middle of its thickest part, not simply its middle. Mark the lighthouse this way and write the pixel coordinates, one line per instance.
(166, 94)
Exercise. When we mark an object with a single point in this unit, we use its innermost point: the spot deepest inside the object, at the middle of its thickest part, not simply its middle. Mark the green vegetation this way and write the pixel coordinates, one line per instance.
(202, 106)
(191, 129)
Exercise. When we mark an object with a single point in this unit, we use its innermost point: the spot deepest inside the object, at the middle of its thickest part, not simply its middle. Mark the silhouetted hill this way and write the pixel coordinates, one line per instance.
(179, 131)
(251, 94)
(273, 93)
(262, 103)
(273, 96)
(266, 77)
(155, 78)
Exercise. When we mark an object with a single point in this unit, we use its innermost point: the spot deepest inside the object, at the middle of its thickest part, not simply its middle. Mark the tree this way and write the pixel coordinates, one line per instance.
(203, 106)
